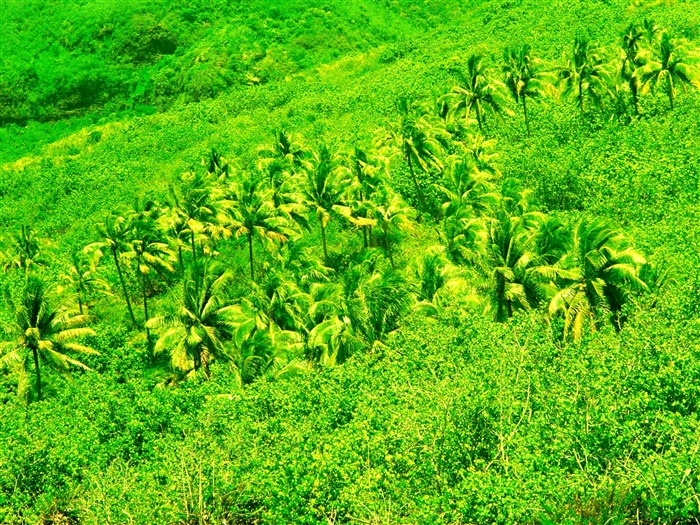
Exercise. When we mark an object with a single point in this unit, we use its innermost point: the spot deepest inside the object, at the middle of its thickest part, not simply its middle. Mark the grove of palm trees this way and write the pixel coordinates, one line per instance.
(374, 263)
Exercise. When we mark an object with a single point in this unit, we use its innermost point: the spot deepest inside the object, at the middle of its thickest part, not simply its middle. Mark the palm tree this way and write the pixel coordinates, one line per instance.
(391, 213)
(26, 251)
(600, 273)
(524, 77)
(475, 92)
(632, 60)
(198, 207)
(217, 165)
(198, 332)
(115, 232)
(669, 69)
(82, 278)
(583, 75)
(368, 175)
(325, 185)
(285, 152)
(516, 270)
(255, 354)
(253, 214)
(44, 333)
(416, 140)
(148, 252)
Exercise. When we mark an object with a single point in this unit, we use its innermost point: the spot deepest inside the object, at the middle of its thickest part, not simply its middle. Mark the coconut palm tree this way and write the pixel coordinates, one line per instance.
(632, 60)
(253, 214)
(148, 252)
(391, 214)
(198, 332)
(325, 186)
(285, 152)
(81, 278)
(26, 251)
(198, 207)
(416, 139)
(518, 279)
(584, 76)
(43, 333)
(368, 176)
(669, 69)
(115, 232)
(476, 92)
(599, 273)
(524, 77)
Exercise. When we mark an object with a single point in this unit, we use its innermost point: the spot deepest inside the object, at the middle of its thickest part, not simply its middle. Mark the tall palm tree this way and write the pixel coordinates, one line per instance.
(148, 252)
(115, 232)
(583, 76)
(26, 251)
(325, 185)
(368, 173)
(632, 60)
(204, 322)
(391, 214)
(669, 69)
(600, 273)
(82, 279)
(416, 139)
(198, 206)
(253, 214)
(43, 333)
(524, 77)
(475, 92)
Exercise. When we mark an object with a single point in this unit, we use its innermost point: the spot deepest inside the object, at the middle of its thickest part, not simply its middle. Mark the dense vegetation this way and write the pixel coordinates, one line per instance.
(369, 263)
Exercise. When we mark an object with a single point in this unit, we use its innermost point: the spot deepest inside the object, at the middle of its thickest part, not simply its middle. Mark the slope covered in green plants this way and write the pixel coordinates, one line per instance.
(368, 262)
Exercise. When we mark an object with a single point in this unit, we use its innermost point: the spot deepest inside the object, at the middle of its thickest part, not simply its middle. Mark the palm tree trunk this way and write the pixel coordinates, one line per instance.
(182, 262)
(80, 304)
(37, 371)
(364, 236)
(527, 120)
(126, 294)
(194, 249)
(323, 237)
(388, 247)
(580, 98)
(250, 255)
(670, 92)
(144, 288)
(478, 118)
(369, 234)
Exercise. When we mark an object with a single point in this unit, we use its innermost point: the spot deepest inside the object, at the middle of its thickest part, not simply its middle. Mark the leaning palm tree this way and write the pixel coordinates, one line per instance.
(197, 334)
(584, 76)
(417, 140)
(115, 232)
(43, 333)
(325, 185)
(475, 92)
(524, 77)
(26, 251)
(253, 214)
(600, 273)
(669, 69)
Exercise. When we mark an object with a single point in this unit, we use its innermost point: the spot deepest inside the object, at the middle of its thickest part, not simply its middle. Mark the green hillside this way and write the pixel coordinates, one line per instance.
(311, 262)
